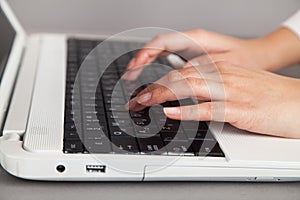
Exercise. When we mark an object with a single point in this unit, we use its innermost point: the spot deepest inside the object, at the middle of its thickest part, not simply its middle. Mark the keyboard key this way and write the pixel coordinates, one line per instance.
(194, 125)
(124, 145)
(115, 107)
(115, 100)
(152, 145)
(125, 132)
(94, 135)
(100, 145)
(199, 135)
(179, 148)
(175, 135)
(70, 127)
(72, 135)
(73, 146)
(118, 115)
(142, 121)
(170, 125)
(146, 131)
(206, 148)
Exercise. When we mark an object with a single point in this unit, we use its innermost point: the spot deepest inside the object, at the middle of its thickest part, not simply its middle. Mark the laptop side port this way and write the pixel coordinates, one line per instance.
(95, 168)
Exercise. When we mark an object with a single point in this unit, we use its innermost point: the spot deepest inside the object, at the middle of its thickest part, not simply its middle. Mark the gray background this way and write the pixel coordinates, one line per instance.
(234, 17)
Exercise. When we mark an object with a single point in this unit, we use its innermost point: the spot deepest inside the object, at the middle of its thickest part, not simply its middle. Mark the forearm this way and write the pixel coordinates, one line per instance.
(281, 48)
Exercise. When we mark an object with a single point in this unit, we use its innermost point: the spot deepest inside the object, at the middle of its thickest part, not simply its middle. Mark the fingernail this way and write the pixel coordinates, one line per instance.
(130, 104)
(144, 98)
(172, 111)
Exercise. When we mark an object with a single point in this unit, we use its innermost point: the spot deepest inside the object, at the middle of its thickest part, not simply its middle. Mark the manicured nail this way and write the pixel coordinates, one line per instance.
(172, 111)
(144, 98)
(130, 104)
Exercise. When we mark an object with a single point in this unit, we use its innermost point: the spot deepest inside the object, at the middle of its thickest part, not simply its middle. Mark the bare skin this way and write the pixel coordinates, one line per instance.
(245, 94)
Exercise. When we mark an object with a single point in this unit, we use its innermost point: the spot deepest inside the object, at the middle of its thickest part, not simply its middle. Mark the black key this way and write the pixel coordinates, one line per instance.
(124, 145)
(73, 146)
(70, 127)
(146, 131)
(137, 114)
(95, 135)
(179, 148)
(115, 107)
(124, 131)
(192, 125)
(100, 110)
(175, 135)
(108, 95)
(94, 127)
(199, 135)
(90, 112)
(72, 135)
(151, 145)
(170, 125)
(215, 151)
(92, 104)
(93, 119)
(108, 77)
(115, 100)
(121, 123)
(72, 116)
(118, 115)
(207, 148)
(108, 87)
(100, 145)
(143, 121)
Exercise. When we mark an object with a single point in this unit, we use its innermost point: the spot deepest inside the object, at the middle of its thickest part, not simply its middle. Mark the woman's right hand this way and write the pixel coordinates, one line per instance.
(278, 49)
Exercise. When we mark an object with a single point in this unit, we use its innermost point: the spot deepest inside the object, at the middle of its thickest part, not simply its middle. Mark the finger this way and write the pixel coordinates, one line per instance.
(180, 74)
(160, 45)
(210, 72)
(172, 76)
(177, 75)
(207, 111)
(149, 52)
(133, 105)
(190, 87)
(206, 59)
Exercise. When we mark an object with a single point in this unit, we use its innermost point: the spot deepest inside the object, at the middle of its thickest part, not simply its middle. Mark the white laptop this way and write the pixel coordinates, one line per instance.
(63, 118)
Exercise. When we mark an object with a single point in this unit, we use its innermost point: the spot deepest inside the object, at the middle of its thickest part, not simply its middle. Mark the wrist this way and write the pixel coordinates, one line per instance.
(292, 111)
(279, 49)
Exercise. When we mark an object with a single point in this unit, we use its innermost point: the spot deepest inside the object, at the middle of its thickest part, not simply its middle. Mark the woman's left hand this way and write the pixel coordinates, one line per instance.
(249, 99)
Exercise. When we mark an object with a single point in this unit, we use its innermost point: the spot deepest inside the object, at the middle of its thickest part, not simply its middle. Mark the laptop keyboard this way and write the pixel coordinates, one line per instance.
(105, 126)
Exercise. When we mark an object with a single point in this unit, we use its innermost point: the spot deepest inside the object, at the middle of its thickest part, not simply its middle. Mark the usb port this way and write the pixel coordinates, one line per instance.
(95, 168)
